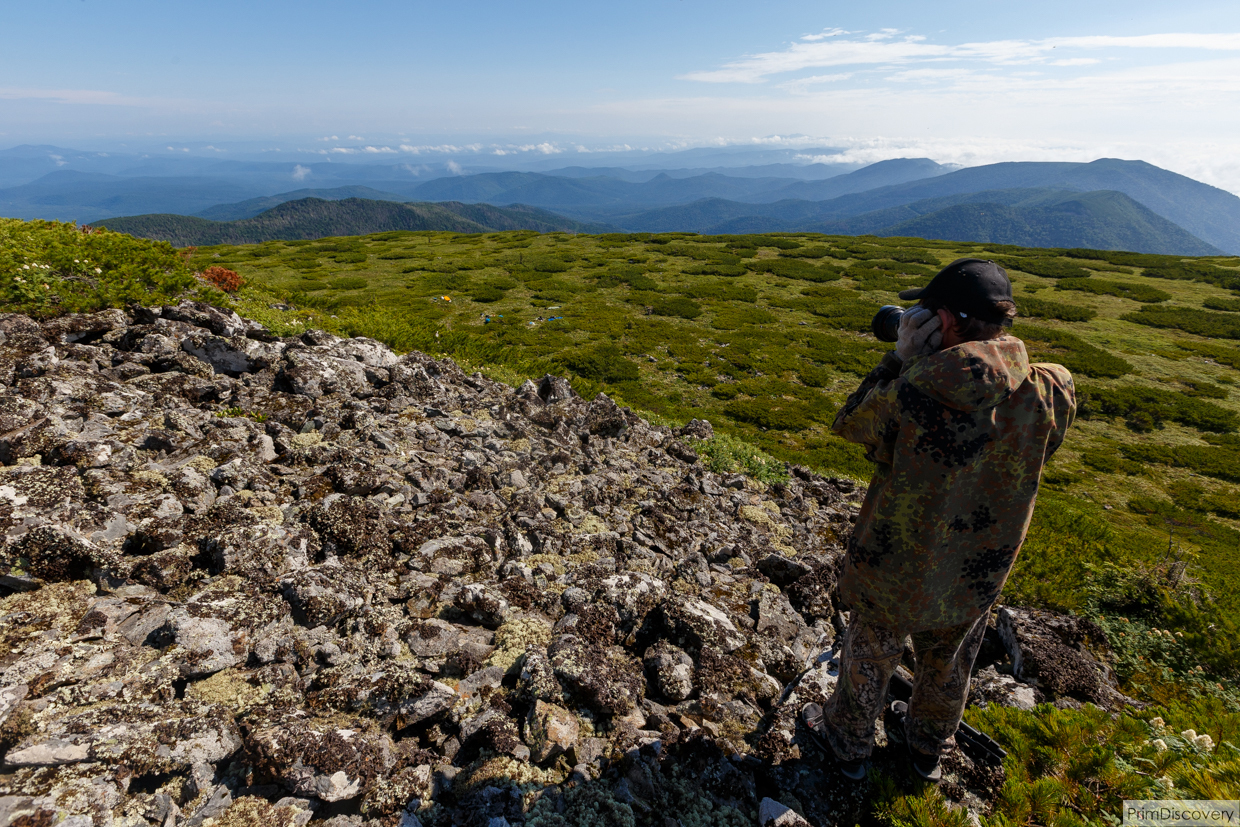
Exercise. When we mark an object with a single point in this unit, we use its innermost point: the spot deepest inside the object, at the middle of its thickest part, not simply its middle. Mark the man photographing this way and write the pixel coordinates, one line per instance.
(959, 425)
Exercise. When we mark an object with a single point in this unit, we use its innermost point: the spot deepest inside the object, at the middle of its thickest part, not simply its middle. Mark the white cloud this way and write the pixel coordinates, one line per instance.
(356, 138)
(453, 167)
(802, 84)
(378, 150)
(300, 172)
(824, 34)
(78, 96)
(882, 48)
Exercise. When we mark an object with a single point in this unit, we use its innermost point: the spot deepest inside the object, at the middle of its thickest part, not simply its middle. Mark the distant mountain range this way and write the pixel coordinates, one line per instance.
(1108, 203)
(319, 218)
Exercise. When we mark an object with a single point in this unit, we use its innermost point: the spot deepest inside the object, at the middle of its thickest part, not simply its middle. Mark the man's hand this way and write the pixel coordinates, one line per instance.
(920, 333)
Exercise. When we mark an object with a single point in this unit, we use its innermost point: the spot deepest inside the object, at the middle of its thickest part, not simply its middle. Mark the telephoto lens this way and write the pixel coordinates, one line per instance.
(886, 323)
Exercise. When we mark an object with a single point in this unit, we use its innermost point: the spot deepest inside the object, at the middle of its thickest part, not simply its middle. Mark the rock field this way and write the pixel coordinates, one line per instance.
(250, 580)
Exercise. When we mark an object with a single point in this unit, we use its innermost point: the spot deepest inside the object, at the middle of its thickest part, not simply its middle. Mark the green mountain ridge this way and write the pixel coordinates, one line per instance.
(311, 218)
(1102, 220)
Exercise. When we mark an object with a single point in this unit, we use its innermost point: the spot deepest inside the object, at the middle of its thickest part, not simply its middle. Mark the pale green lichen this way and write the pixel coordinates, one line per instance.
(306, 440)
(152, 478)
(512, 638)
(588, 805)
(201, 464)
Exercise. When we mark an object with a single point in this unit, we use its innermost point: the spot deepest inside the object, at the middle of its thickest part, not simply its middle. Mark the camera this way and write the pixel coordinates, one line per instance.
(886, 323)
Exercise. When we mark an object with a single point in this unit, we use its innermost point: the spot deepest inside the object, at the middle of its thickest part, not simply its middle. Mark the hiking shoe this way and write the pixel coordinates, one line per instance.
(811, 716)
(925, 765)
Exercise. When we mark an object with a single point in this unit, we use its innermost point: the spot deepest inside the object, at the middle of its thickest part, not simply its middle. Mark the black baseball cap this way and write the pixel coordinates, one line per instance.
(970, 286)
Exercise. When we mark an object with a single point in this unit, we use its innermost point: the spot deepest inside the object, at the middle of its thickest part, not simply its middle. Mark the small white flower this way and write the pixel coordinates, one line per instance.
(1204, 742)
(25, 266)
(1166, 782)
(75, 261)
(1188, 734)
(98, 270)
(1158, 723)
(1159, 745)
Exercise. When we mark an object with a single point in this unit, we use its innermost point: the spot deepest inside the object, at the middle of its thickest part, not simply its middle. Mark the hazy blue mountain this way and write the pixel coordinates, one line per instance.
(255, 206)
(881, 174)
(794, 172)
(1207, 212)
(1100, 220)
(1036, 217)
(85, 196)
(319, 218)
(599, 192)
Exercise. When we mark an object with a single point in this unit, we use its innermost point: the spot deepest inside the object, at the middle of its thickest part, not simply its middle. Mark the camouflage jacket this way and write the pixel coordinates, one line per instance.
(959, 437)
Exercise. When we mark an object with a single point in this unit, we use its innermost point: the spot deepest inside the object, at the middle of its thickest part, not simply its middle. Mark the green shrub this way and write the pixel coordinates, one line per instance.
(1044, 309)
(1218, 461)
(1110, 462)
(350, 258)
(1136, 292)
(348, 283)
(1159, 404)
(715, 255)
(773, 414)
(1222, 354)
(1202, 322)
(896, 267)
(807, 252)
(1050, 268)
(791, 268)
(545, 264)
(677, 306)
(603, 363)
(723, 291)
(715, 270)
(85, 270)
(734, 318)
(1072, 352)
(1229, 305)
(726, 454)
(856, 356)
(1196, 271)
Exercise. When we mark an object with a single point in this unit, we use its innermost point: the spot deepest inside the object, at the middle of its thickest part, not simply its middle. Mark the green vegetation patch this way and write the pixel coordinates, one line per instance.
(1145, 408)
(1101, 287)
(1051, 268)
(1191, 320)
(1228, 305)
(1074, 353)
(680, 306)
(1046, 309)
(796, 269)
(48, 268)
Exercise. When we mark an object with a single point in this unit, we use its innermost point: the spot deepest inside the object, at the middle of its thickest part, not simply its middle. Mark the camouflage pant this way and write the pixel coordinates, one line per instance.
(870, 655)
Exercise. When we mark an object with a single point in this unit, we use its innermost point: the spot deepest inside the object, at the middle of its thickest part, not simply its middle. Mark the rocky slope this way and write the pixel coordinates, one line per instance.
(268, 581)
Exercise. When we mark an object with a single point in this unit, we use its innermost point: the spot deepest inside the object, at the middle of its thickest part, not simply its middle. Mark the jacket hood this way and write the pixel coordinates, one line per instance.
(971, 376)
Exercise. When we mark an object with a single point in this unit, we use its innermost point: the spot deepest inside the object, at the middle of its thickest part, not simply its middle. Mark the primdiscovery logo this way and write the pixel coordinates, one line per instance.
(1169, 813)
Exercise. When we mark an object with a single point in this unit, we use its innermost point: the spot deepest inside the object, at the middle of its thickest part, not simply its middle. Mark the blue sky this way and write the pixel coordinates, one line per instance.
(964, 82)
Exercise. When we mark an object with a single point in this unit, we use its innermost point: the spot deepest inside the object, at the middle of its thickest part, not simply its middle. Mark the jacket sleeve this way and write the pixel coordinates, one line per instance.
(1062, 404)
(871, 415)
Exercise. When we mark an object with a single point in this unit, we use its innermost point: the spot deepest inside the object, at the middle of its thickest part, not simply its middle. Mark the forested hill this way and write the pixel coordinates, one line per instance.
(310, 218)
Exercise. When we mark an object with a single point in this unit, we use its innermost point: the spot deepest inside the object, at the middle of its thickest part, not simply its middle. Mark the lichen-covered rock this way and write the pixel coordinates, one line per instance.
(605, 679)
(670, 671)
(550, 731)
(1052, 652)
(319, 759)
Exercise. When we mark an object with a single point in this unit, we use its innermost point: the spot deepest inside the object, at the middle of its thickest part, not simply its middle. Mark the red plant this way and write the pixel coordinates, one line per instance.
(223, 278)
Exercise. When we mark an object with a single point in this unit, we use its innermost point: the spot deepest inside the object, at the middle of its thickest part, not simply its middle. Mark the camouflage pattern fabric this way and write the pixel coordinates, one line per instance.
(959, 437)
(869, 657)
